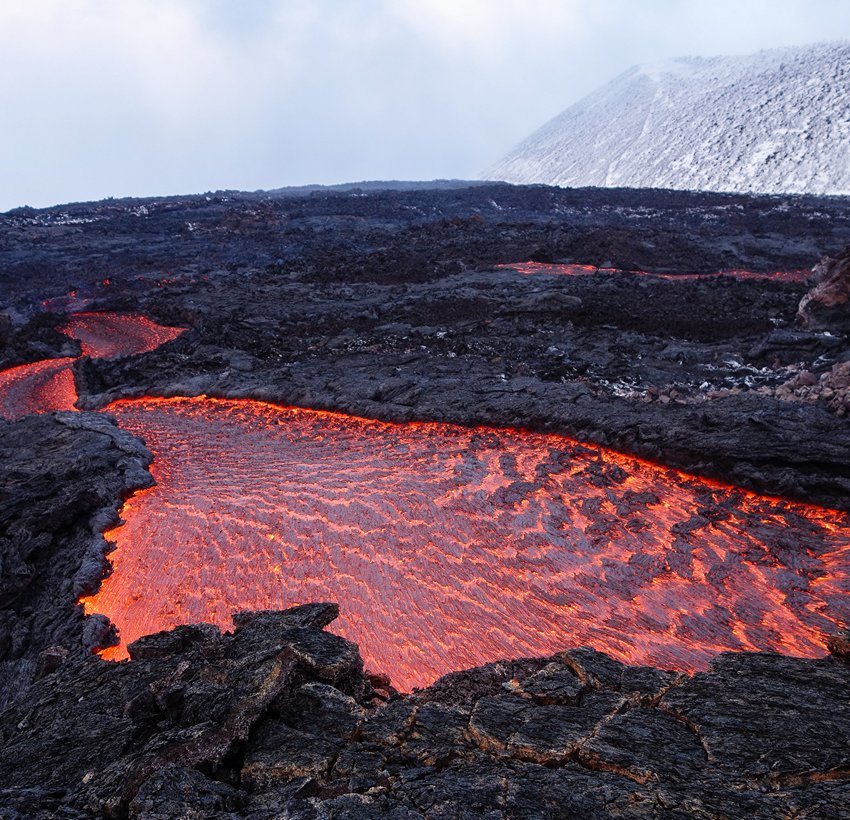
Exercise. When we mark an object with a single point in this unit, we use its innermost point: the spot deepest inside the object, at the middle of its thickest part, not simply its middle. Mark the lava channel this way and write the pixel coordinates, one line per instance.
(552, 269)
(48, 385)
(447, 546)
(110, 335)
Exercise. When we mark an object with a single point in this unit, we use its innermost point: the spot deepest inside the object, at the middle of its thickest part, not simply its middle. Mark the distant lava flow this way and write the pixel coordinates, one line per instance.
(532, 268)
(40, 387)
(447, 546)
(109, 335)
(48, 385)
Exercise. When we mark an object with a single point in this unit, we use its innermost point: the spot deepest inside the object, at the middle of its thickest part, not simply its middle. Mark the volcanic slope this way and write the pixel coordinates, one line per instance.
(772, 122)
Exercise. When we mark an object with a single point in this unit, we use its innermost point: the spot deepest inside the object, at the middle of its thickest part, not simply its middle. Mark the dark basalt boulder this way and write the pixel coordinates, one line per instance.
(839, 643)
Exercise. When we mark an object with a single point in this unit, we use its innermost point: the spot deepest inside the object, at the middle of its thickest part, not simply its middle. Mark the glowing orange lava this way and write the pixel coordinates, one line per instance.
(109, 335)
(447, 546)
(40, 387)
(48, 385)
(533, 268)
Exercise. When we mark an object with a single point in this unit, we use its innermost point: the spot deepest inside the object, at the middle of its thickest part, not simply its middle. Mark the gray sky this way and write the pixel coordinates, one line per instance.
(147, 97)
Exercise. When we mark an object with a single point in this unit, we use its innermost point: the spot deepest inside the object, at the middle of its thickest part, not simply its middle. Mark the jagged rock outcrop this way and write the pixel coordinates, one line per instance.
(825, 306)
(279, 720)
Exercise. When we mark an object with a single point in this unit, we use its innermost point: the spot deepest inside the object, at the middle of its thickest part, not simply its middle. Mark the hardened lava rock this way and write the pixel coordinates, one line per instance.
(62, 479)
(278, 719)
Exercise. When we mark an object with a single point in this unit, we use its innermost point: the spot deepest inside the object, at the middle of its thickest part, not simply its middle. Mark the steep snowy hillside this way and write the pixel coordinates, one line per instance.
(773, 122)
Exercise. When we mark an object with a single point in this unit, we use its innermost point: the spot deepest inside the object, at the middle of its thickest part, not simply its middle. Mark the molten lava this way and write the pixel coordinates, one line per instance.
(48, 385)
(40, 387)
(109, 335)
(447, 547)
(533, 268)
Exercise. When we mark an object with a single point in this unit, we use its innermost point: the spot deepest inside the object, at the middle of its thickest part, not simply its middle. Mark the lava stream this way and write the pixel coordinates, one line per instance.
(39, 387)
(447, 546)
(553, 269)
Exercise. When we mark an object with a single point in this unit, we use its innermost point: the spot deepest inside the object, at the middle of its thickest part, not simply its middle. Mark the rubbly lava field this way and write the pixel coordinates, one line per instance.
(551, 452)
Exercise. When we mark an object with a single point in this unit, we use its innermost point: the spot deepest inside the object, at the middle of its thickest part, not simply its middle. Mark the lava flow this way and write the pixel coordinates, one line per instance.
(447, 546)
(39, 387)
(552, 269)
(48, 385)
(109, 335)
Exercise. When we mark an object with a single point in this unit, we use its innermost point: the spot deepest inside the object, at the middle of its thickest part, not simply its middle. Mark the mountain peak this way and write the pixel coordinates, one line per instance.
(773, 122)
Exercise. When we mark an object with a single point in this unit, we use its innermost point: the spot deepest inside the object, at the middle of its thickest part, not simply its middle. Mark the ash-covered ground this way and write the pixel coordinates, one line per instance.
(396, 305)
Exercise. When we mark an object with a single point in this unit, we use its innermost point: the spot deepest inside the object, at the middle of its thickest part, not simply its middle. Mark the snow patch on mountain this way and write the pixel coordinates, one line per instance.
(773, 122)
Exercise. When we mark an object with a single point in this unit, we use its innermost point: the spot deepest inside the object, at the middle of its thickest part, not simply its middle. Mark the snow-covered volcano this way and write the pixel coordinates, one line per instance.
(773, 122)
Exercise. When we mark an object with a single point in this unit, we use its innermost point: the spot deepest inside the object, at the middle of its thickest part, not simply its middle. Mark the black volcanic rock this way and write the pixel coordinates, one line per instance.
(246, 725)
(62, 478)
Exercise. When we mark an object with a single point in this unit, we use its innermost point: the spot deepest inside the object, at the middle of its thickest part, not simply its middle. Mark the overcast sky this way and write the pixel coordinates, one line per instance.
(146, 97)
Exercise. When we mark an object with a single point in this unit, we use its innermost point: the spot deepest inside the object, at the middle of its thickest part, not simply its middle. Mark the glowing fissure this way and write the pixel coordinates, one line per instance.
(552, 269)
(447, 547)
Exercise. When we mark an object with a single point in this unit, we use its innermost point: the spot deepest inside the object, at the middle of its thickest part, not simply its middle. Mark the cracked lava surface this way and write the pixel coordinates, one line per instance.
(448, 547)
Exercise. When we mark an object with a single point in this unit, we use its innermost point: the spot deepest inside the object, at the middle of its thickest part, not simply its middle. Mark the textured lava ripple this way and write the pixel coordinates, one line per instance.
(39, 387)
(448, 546)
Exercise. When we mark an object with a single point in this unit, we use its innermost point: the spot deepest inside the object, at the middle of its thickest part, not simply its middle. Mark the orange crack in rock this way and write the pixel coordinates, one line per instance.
(534, 268)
